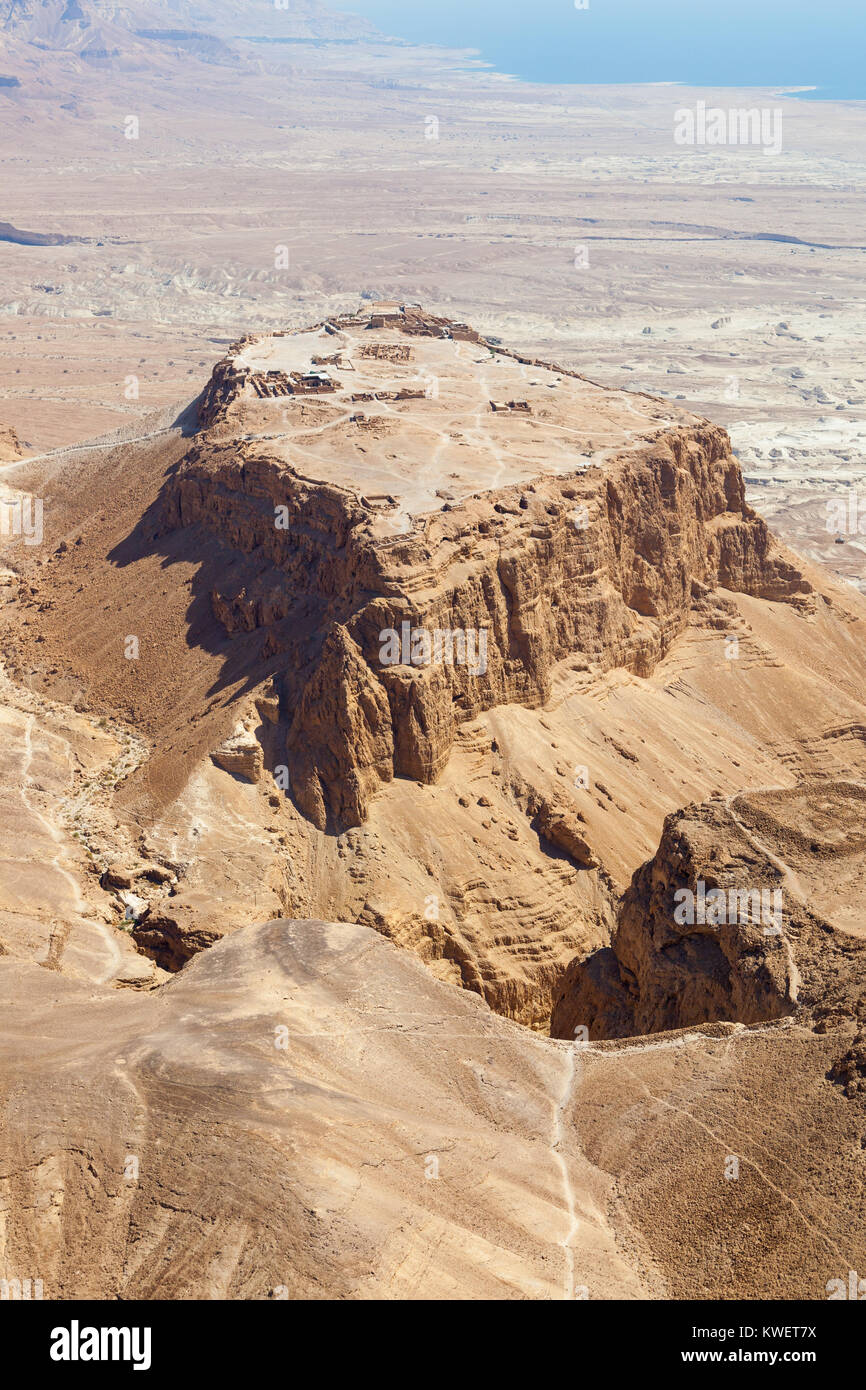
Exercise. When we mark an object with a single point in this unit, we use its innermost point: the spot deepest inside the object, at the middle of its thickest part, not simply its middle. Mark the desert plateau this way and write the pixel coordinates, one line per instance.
(433, 677)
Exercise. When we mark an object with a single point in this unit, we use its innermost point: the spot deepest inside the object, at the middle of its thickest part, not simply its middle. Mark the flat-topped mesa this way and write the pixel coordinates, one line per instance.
(417, 556)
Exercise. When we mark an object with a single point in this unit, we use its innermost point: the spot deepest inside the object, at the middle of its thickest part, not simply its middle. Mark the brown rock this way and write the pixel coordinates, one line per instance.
(175, 931)
(341, 741)
(668, 523)
(561, 827)
(241, 755)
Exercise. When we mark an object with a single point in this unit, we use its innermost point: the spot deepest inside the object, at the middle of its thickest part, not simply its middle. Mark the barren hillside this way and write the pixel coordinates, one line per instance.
(399, 629)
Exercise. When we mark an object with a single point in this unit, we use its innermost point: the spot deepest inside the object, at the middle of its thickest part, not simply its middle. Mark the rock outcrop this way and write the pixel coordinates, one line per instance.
(11, 447)
(559, 824)
(241, 754)
(604, 563)
(176, 929)
(724, 925)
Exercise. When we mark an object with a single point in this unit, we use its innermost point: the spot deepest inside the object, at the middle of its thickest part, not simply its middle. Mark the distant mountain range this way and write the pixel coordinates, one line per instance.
(98, 30)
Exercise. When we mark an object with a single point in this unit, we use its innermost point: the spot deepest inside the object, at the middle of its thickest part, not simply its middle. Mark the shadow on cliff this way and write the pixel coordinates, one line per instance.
(215, 567)
(244, 623)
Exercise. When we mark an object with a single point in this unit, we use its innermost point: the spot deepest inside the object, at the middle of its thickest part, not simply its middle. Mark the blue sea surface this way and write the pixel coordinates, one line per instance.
(705, 43)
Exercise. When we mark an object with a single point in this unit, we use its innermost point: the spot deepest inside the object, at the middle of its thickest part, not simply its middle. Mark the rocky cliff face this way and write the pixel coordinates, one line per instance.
(497, 804)
(729, 923)
(604, 564)
(11, 447)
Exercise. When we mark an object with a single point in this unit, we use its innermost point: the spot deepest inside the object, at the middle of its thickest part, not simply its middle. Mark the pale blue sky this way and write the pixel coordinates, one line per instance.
(722, 42)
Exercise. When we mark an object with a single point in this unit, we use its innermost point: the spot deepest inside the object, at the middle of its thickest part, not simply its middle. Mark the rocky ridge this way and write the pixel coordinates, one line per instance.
(744, 915)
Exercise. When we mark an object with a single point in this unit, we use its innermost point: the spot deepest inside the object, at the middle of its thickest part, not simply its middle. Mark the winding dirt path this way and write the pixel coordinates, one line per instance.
(560, 1107)
(55, 952)
(102, 953)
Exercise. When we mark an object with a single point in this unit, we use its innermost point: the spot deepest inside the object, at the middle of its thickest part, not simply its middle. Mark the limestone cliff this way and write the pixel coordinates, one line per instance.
(603, 564)
(499, 804)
